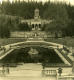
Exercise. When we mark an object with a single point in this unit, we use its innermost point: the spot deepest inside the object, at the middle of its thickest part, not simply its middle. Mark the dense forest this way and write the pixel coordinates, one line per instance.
(61, 14)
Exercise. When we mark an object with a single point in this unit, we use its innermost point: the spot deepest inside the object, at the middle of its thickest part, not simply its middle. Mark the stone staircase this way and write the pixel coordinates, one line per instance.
(65, 56)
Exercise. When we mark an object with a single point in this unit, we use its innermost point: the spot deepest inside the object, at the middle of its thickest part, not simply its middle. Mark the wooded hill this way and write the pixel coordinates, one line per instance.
(61, 14)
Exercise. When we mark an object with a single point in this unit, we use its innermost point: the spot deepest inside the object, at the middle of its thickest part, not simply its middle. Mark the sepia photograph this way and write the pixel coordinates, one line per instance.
(36, 39)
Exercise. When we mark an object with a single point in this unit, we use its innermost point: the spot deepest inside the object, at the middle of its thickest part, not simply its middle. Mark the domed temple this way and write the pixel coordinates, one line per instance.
(36, 24)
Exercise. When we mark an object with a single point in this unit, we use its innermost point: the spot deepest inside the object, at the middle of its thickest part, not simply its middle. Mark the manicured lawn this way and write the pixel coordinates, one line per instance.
(10, 41)
(69, 41)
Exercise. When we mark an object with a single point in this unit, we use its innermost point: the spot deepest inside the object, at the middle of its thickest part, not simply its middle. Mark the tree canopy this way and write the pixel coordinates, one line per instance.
(62, 16)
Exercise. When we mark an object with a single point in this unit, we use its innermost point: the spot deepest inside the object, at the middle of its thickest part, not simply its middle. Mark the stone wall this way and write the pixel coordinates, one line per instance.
(30, 34)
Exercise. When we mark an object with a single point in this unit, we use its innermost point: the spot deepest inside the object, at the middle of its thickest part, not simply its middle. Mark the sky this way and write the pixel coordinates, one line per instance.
(67, 1)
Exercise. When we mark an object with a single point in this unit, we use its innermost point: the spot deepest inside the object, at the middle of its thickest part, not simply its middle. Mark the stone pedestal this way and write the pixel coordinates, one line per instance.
(73, 68)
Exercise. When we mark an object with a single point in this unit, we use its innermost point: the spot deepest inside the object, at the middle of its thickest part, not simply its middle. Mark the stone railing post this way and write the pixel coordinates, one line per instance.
(72, 63)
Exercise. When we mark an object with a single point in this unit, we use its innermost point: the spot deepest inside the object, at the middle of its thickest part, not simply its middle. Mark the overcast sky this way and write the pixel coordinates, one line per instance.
(67, 1)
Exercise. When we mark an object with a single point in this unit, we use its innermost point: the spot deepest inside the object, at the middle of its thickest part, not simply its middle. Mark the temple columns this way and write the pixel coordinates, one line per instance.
(36, 26)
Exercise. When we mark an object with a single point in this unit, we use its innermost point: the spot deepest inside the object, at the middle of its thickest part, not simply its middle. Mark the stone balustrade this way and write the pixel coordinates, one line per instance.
(49, 72)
